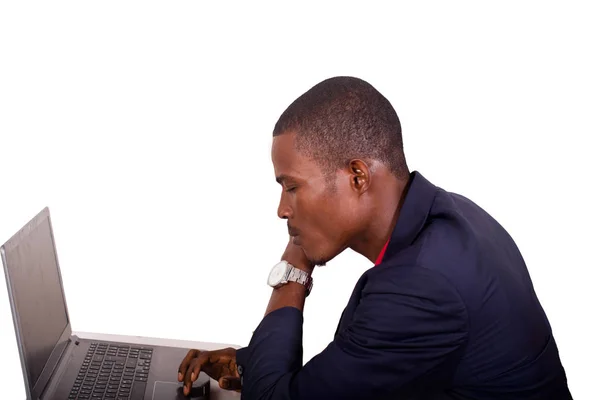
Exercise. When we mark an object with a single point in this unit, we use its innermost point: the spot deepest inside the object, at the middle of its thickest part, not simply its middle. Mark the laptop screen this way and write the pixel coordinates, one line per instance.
(37, 295)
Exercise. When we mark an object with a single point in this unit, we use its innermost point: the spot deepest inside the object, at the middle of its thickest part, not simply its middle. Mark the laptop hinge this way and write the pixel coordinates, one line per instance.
(60, 367)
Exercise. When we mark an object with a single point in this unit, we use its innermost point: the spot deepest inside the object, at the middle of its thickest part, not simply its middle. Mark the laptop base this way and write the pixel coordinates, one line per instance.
(122, 370)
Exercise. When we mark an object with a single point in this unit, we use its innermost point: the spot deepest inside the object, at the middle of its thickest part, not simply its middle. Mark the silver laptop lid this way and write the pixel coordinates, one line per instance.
(37, 301)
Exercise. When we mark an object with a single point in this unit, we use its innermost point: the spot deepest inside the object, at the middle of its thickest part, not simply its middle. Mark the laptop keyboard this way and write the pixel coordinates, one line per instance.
(113, 371)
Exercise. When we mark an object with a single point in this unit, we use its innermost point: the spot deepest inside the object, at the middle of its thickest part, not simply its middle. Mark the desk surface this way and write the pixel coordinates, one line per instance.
(215, 391)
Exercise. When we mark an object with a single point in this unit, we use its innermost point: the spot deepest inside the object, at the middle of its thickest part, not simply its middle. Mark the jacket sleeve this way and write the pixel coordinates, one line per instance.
(405, 338)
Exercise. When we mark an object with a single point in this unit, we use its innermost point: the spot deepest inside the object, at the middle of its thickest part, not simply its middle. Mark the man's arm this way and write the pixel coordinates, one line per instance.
(221, 364)
(291, 294)
(406, 337)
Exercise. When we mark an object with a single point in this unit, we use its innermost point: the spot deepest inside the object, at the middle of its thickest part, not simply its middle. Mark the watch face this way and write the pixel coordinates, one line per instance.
(277, 273)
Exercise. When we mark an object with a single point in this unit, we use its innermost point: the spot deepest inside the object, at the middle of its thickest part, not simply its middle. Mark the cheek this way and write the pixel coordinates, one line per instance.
(323, 217)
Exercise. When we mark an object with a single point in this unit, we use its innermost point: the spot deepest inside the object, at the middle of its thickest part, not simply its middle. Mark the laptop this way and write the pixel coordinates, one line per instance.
(58, 365)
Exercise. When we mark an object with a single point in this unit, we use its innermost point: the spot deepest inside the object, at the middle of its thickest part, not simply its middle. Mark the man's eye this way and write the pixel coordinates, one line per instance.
(291, 189)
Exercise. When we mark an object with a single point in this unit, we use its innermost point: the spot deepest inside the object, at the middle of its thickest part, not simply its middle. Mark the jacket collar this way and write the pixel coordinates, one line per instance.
(413, 213)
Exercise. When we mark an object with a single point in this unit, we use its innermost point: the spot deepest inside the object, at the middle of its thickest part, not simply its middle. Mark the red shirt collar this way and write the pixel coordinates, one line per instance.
(382, 253)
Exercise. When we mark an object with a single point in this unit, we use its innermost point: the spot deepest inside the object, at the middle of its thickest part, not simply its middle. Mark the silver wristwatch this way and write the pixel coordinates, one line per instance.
(284, 272)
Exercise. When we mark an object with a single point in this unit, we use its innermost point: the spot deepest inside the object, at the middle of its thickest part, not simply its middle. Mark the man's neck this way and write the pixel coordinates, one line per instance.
(382, 221)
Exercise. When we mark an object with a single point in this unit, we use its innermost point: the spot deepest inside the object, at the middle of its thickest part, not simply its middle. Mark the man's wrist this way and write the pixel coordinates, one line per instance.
(300, 264)
(288, 272)
(303, 267)
(306, 269)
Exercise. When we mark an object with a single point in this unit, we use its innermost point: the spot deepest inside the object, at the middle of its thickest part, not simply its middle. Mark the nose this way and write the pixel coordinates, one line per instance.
(284, 211)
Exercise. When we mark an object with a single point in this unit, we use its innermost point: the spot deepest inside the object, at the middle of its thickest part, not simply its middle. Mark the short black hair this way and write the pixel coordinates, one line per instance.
(343, 118)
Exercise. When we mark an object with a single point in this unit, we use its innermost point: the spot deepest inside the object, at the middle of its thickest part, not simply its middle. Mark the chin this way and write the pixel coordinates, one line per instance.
(322, 256)
(318, 262)
(319, 252)
(315, 259)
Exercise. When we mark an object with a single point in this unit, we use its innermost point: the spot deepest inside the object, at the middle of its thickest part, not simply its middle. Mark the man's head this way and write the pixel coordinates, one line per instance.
(337, 150)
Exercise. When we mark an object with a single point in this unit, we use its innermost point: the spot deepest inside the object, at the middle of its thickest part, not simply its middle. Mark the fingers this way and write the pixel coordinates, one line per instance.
(185, 364)
(230, 383)
(193, 371)
(196, 369)
(218, 364)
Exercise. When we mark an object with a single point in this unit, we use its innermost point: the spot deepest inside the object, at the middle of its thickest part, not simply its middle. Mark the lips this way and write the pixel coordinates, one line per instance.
(295, 235)
(293, 231)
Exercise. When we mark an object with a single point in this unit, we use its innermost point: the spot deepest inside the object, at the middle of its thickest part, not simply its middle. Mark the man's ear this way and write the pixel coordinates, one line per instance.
(360, 176)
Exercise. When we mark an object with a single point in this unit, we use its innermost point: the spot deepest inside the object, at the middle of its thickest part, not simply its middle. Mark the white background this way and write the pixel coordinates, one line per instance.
(146, 128)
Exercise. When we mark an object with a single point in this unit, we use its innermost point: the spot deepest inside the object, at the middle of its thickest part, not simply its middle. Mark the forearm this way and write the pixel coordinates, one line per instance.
(291, 294)
(276, 345)
(274, 351)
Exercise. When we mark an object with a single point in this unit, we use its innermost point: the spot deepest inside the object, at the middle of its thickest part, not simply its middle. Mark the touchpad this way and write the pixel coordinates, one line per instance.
(174, 391)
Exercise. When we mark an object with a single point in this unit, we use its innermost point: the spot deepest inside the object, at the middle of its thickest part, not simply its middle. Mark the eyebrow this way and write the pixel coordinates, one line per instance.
(282, 178)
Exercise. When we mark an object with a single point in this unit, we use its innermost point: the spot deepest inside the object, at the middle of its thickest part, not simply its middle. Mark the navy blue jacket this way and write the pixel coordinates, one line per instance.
(450, 313)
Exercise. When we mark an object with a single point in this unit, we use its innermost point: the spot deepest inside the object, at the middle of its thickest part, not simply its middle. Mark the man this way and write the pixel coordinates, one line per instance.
(448, 311)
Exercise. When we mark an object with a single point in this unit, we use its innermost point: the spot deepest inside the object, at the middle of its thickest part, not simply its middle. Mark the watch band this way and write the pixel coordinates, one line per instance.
(301, 277)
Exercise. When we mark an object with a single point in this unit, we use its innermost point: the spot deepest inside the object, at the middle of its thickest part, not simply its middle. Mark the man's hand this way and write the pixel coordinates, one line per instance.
(295, 255)
(218, 364)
